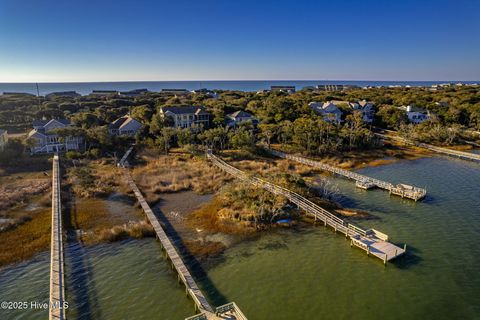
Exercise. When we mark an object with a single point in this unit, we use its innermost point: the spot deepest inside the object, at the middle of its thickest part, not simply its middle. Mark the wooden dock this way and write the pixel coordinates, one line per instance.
(374, 242)
(57, 272)
(229, 311)
(361, 181)
(449, 152)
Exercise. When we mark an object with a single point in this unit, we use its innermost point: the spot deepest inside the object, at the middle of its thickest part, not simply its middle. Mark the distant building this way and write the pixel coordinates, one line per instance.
(288, 89)
(186, 117)
(207, 92)
(19, 94)
(125, 126)
(416, 115)
(238, 117)
(133, 93)
(366, 108)
(3, 139)
(46, 141)
(329, 111)
(176, 92)
(104, 93)
(335, 87)
(62, 94)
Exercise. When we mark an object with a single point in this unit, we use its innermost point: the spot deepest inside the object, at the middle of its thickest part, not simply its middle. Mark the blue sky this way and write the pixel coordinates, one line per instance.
(86, 40)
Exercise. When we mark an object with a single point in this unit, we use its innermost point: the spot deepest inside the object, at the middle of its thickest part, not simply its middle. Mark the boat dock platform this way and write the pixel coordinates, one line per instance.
(361, 181)
(57, 266)
(374, 242)
(206, 312)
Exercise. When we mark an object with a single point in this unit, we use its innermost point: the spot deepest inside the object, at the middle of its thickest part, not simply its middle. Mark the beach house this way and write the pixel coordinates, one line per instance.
(236, 118)
(287, 89)
(125, 126)
(329, 111)
(366, 108)
(187, 116)
(416, 115)
(45, 139)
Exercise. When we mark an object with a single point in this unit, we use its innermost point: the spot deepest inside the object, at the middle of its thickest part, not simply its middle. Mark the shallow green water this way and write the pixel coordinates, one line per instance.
(299, 274)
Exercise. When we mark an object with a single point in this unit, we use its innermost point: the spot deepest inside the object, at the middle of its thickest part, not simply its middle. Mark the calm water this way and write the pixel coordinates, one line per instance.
(305, 274)
(87, 87)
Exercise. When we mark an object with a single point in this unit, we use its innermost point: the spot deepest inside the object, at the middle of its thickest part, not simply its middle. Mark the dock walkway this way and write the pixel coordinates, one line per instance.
(372, 241)
(57, 272)
(361, 181)
(206, 312)
(449, 152)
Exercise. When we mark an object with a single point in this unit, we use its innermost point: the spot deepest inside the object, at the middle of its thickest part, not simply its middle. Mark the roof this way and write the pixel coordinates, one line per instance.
(42, 123)
(185, 110)
(121, 122)
(240, 114)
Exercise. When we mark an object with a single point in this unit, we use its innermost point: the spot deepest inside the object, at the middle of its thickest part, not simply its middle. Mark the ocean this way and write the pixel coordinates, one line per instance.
(85, 88)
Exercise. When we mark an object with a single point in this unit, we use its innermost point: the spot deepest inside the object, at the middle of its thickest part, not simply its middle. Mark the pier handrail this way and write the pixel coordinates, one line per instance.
(308, 206)
(57, 272)
(414, 192)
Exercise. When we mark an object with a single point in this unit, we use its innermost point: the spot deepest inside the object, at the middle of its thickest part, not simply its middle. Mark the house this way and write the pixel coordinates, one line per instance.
(104, 93)
(46, 141)
(335, 87)
(238, 117)
(329, 111)
(287, 89)
(366, 108)
(125, 126)
(210, 93)
(71, 94)
(186, 117)
(133, 93)
(416, 115)
(3, 139)
(176, 92)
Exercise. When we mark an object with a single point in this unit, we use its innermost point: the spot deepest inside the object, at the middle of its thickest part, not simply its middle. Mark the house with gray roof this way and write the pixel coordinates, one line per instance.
(45, 139)
(125, 126)
(366, 108)
(329, 111)
(187, 116)
(236, 118)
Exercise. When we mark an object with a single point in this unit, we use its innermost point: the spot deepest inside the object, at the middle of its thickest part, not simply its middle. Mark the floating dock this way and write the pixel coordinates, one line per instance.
(57, 271)
(374, 242)
(206, 312)
(361, 181)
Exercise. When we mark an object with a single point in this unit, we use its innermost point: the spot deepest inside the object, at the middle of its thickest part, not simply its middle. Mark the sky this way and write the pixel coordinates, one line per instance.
(103, 40)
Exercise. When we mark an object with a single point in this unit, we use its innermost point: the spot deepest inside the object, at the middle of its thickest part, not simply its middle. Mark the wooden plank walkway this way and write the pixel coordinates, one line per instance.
(229, 311)
(361, 181)
(57, 272)
(372, 241)
(449, 152)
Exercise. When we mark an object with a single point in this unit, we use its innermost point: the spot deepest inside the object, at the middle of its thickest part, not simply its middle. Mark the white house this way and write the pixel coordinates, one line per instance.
(186, 117)
(3, 139)
(287, 89)
(416, 115)
(46, 141)
(366, 108)
(125, 126)
(237, 117)
(328, 110)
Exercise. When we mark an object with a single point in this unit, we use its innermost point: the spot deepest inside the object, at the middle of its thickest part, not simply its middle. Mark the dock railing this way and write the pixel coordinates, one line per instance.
(414, 193)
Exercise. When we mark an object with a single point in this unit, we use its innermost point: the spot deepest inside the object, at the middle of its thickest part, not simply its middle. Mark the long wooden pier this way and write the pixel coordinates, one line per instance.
(228, 311)
(374, 242)
(57, 272)
(449, 152)
(361, 181)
